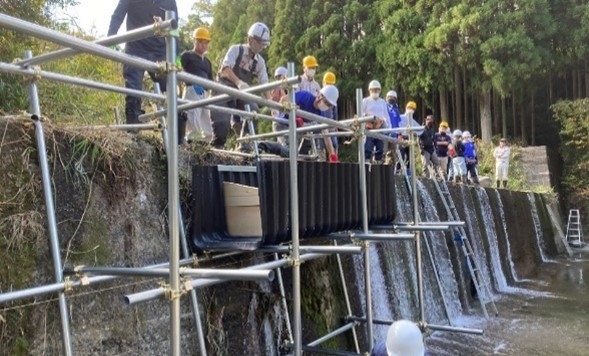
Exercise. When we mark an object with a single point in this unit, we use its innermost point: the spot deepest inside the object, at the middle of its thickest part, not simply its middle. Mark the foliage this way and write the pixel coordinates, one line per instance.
(573, 117)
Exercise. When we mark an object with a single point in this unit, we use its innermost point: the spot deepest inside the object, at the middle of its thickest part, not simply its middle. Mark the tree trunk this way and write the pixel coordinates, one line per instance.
(503, 117)
(586, 80)
(550, 87)
(532, 121)
(464, 100)
(444, 104)
(495, 114)
(522, 119)
(513, 116)
(485, 112)
(458, 112)
(574, 84)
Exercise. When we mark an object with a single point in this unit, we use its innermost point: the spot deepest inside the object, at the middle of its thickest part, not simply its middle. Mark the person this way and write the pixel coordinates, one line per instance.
(441, 142)
(376, 106)
(329, 78)
(242, 65)
(457, 153)
(403, 339)
(406, 121)
(426, 144)
(308, 82)
(141, 13)
(198, 124)
(501, 154)
(394, 120)
(470, 156)
(315, 104)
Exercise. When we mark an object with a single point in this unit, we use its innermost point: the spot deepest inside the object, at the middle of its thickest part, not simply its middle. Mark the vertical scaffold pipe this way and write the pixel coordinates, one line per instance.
(51, 222)
(185, 250)
(419, 264)
(294, 219)
(173, 194)
(364, 207)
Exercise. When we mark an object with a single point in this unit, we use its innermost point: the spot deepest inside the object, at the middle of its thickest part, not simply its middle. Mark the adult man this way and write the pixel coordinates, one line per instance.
(308, 82)
(241, 66)
(140, 13)
(501, 154)
(441, 142)
(315, 104)
(426, 144)
(403, 339)
(376, 106)
(394, 120)
(195, 63)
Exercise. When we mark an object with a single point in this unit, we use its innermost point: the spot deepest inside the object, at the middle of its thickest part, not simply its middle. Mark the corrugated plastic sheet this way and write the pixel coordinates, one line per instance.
(329, 201)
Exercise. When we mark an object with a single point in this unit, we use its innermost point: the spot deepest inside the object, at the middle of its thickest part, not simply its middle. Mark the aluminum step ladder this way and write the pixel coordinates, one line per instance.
(574, 235)
(481, 286)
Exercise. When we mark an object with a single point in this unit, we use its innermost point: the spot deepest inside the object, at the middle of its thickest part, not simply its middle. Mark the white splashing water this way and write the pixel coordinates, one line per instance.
(441, 257)
(504, 224)
(489, 224)
(536, 220)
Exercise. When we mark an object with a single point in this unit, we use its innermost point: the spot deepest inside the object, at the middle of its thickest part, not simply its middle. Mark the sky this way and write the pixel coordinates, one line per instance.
(93, 16)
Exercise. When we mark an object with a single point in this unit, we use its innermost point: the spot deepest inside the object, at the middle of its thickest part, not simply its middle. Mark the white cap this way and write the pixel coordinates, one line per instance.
(457, 133)
(375, 84)
(466, 134)
(404, 339)
(392, 94)
(280, 71)
(330, 93)
(260, 32)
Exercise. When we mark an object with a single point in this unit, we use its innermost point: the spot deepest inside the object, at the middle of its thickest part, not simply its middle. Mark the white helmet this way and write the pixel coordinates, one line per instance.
(280, 71)
(457, 133)
(330, 93)
(392, 94)
(260, 32)
(466, 134)
(404, 339)
(375, 84)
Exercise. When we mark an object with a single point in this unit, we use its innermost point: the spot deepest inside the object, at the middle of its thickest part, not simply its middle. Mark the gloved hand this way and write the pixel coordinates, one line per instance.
(198, 89)
(179, 63)
(300, 121)
(242, 85)
(333, 158)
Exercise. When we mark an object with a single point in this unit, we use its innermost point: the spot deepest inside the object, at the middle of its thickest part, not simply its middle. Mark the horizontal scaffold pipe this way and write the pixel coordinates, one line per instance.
(133, 35)
(315, 249)
(371, 236)
(225, 274)
(141, 297)
(428, 326)
(246, 94)
(304, 129)
(399, 129)
(121, 127)
(251, 114)
(334, 333)
(67, 285)
(421, 227)
(432, 223)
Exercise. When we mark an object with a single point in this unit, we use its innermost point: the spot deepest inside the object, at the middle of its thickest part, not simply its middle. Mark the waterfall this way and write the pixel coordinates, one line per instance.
(504, 224)
(489, 224)
(537, 226)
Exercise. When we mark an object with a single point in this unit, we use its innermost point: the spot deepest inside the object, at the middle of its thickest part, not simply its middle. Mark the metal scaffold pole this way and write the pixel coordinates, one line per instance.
(51, 221)
(294, 221)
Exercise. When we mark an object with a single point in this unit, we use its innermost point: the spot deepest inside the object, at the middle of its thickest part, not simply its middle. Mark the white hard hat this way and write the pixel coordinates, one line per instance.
(392, 94)
(280, 71)
(466, 134)
(457, 133)
(375, 84)
(404, 339)
(330, 93)
(260, 32)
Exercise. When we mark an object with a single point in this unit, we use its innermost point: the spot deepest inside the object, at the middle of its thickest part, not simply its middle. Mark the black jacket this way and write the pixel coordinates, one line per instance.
(426, 139)
(140, 13)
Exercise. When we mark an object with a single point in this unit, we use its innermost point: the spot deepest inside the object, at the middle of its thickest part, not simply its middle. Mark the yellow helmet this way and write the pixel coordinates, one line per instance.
(329, 78)
(411, 105)
(202, 33)
(310, 62)
(444, 124)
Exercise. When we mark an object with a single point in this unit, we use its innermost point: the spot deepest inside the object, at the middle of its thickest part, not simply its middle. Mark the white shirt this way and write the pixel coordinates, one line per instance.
(501, 154)
(377, 108)
(309, 85)
(246, 62)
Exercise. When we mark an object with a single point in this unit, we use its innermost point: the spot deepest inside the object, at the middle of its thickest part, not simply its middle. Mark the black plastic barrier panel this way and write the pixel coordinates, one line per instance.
(329, 201)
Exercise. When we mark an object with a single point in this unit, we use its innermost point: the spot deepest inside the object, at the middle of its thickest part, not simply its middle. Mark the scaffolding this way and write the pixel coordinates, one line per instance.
(66, 279)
